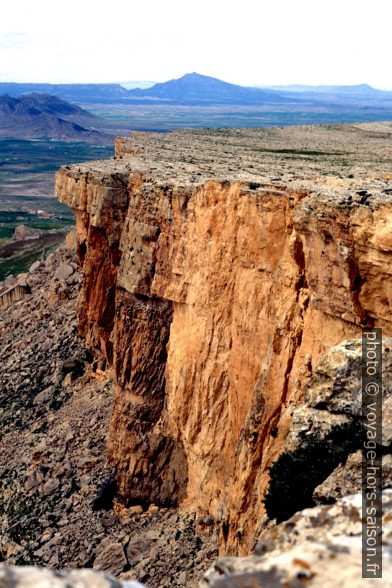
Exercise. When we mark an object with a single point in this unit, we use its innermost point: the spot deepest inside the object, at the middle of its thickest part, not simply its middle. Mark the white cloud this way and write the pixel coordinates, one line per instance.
(247, 41)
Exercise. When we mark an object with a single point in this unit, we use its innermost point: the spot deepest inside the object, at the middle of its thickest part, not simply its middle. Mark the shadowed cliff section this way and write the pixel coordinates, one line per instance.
(219, 269)
(35, 116)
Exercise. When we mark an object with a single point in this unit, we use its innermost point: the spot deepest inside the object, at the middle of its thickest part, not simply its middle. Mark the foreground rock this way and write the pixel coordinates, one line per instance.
(322, 461)
(29, 577)
(319, 547)
(23, 232)
(347, 479)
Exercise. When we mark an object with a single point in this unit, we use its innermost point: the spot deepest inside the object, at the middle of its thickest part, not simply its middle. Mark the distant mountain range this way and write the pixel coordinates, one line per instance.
(34, 116)
(191, 89)
(29, 111)
(358, 95)
(79, 93)
(196, 89)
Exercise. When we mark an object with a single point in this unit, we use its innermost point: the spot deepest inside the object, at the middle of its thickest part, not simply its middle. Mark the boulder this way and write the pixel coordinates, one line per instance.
(111, 559)
(347, 479)
(44, 396)
(30, 577)
(138, 548)
(63, 272)
(23, 232)
(319, 547)
(34, 267)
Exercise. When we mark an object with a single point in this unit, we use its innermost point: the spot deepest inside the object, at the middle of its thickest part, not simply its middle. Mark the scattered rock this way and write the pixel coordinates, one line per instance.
(111, 558)
(63, 272)
(44, 396)
(34, 267)
(138, 548)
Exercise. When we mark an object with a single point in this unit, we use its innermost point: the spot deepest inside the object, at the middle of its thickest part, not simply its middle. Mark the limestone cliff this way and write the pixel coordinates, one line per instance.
(217, 274)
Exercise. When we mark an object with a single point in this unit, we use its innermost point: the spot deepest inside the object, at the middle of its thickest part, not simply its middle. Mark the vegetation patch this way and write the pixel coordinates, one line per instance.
(301, 152)
(22, 514)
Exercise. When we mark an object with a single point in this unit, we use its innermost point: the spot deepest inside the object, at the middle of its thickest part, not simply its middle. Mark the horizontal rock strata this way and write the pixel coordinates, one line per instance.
(219, 269)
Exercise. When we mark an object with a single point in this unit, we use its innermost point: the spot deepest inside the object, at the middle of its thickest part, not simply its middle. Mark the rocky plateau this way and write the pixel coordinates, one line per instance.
(206, 398)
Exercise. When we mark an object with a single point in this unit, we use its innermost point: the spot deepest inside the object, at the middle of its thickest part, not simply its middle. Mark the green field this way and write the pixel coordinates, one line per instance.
(10, 219)
(41, 156)
(17, 258)
(27, 171)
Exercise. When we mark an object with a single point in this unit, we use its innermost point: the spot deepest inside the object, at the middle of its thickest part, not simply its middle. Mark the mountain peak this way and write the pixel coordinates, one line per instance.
(195, 88)
(43, 115)
(194, 74)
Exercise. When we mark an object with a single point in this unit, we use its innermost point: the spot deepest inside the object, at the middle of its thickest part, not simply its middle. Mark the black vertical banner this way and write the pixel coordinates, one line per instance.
(371, 453)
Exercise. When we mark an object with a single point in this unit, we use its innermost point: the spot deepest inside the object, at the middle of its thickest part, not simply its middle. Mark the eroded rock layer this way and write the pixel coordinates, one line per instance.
(219, 268)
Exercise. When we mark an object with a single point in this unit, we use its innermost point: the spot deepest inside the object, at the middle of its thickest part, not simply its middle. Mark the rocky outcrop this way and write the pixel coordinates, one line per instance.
(347, 479)
(321, 546)
(14, 294)
(24, 232)
(215, 294)
(317, 547)
(322, 460)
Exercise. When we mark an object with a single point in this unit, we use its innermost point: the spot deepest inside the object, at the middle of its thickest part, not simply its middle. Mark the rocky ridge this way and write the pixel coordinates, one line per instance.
(321, 547)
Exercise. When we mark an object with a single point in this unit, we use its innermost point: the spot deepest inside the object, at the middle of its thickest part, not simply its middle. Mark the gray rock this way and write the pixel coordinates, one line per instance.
(336, 384)
(111, 559)
(334, 393)
(33, 577)
(43, 396)
(347, 479)
(50, 487)
(49, 261)
(9, 281)
(138, 548)
(23, 232)
(34, 267)
(63, 272)
(319, 547)
(306, 419)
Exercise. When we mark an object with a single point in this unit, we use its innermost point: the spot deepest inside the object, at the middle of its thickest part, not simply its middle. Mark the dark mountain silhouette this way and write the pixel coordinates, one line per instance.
(42, 115)
(194, 88)
(361, 95)
(357, 90)
(88, 93)
(191, 88)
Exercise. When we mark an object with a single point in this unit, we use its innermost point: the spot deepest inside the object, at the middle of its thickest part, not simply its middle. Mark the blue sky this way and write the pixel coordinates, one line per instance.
(246, 42)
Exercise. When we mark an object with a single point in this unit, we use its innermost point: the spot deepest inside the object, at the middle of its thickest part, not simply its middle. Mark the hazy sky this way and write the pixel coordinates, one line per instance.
(246, 42)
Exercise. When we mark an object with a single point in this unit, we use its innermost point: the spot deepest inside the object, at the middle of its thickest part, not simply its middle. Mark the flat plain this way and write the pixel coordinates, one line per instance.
(27, 171)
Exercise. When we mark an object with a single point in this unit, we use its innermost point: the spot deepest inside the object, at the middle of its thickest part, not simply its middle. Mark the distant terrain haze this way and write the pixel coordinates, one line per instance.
(34, 110)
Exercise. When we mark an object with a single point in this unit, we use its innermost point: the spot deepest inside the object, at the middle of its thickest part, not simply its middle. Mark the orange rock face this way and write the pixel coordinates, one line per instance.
(213, 302)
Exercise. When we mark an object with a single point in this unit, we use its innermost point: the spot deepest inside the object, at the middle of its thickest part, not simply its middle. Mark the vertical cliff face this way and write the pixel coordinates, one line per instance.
(214, 300)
